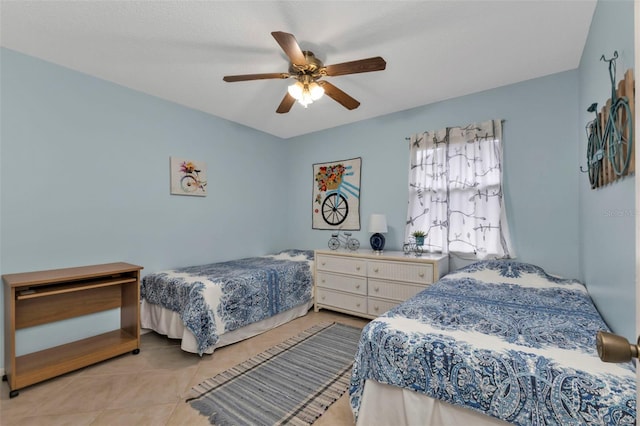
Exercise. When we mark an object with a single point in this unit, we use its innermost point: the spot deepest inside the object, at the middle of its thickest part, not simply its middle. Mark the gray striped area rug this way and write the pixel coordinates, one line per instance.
(292, 383)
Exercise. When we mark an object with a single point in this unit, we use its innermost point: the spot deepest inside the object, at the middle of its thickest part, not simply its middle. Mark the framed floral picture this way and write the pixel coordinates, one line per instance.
(336, 195)
(188, 177)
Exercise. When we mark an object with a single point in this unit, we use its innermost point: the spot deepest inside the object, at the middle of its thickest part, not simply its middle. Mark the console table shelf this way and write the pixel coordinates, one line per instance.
(36, 298)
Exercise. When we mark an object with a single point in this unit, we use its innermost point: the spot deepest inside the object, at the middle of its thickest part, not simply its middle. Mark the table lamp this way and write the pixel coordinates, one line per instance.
(377, 225)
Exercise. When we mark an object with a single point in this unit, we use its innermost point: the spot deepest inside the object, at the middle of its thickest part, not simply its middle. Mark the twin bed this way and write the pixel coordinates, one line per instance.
(213, 305)
(493, 343)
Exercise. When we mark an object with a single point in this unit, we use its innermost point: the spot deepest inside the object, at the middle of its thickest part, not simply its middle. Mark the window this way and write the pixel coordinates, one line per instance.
(455, 190)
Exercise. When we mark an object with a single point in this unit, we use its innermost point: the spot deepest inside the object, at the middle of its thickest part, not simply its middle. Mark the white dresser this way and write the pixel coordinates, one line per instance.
(366, 284)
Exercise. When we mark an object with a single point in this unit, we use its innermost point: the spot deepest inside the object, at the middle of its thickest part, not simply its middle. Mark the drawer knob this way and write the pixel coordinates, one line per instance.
(357, 305)
(421, 274)
(322, 280)
(375, 270)
(323, 263)
(357, 268)
(357, 285)
(322, 297)
(376, 289)
(376, 308)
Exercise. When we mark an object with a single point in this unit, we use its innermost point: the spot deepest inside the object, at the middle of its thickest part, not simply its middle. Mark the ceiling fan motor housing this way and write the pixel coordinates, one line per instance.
(314, 66)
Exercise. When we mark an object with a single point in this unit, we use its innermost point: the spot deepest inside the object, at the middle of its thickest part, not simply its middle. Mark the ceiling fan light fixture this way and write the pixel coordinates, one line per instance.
(305, 93)
(307, 69)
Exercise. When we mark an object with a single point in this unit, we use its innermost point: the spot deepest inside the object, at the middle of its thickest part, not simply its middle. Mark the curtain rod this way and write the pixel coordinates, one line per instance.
(408, 139)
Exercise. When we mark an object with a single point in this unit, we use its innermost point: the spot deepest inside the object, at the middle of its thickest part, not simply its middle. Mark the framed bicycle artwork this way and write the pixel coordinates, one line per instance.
(336, 195)
(188, 177)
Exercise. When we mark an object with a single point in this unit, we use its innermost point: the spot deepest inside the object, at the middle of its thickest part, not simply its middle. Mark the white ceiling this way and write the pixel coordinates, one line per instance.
(180, 50)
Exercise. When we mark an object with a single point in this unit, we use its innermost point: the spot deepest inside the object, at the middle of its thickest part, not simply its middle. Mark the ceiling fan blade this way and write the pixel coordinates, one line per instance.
(246, 77)
(338, 95)
(286, 104)
(354, 67)
(290, 46)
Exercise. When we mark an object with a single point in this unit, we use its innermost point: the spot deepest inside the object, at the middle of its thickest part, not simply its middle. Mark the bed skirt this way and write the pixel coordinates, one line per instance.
(385, 405)
(167, 322)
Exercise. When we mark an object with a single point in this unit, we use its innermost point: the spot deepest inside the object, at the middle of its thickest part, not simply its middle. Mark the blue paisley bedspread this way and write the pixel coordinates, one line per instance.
(220, 297)
(503, 338)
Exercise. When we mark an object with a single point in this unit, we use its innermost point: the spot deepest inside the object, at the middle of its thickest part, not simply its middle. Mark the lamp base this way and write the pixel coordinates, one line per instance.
(377, 242)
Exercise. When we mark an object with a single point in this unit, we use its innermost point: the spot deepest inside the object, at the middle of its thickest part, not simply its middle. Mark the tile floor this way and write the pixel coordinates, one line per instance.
(150, 388)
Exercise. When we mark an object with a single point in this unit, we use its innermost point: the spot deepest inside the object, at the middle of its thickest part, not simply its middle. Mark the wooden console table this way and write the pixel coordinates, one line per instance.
(36, 298)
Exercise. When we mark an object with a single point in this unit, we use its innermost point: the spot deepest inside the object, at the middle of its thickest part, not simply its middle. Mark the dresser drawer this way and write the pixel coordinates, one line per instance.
(401, 271)
(348, 283)
(343, 265)
(342, 300)
(392, 290)
(378, 307)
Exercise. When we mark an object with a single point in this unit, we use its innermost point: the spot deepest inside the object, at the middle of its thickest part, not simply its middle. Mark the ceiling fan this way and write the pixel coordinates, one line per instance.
(308, 71)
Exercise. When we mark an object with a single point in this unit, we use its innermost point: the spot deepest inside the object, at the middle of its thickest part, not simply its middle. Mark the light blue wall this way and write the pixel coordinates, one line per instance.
(540, 156)
(84, 174)
(607, 215)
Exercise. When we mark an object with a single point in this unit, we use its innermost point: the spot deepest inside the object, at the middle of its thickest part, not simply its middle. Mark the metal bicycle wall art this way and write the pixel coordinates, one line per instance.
(610, 135)
(336, 195)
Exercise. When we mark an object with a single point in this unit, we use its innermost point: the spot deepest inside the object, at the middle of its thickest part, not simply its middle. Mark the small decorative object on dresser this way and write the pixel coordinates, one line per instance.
(378, 225)
(368, 285)
(347, 241)
(419, 236)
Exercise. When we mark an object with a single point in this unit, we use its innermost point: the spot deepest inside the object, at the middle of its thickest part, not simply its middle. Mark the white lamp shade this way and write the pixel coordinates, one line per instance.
(378, 223)
(316, 91)
(295, 90)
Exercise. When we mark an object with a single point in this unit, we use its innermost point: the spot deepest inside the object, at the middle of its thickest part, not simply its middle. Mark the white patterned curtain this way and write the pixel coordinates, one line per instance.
(455, 191)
